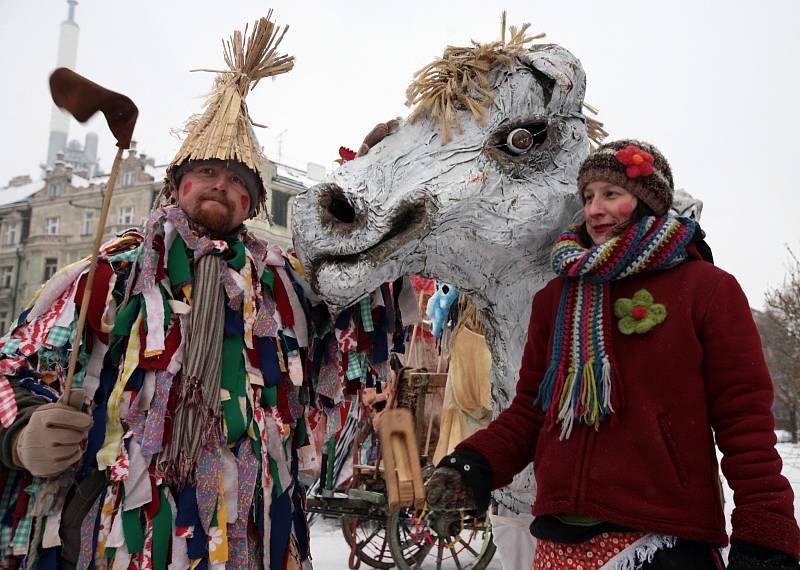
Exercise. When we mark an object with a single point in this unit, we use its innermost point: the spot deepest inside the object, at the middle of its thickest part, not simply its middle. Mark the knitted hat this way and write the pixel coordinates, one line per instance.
(224, 131)
(634, 165)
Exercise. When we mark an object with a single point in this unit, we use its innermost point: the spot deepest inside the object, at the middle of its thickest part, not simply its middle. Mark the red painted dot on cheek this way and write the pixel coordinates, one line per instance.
(245, 201)
(625, 210)
(187, 188)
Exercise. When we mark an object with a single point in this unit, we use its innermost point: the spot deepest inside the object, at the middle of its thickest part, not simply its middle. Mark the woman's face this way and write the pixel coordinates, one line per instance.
(606, 207)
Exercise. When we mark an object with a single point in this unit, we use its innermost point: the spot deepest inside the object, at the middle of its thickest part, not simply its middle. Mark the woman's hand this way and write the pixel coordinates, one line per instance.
(446, 491)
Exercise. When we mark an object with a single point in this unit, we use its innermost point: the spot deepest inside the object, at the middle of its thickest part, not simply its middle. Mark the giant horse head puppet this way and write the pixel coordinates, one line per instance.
(471, 189)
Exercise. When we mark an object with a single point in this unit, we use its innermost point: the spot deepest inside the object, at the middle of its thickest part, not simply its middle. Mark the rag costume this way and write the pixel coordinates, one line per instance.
(205, 365)
(640, 358)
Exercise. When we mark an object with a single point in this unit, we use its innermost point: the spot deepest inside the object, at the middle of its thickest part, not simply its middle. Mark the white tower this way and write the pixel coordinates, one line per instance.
(67, 55)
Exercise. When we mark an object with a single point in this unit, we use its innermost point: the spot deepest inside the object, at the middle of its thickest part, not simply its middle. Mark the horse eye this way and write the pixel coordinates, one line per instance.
(519, 141)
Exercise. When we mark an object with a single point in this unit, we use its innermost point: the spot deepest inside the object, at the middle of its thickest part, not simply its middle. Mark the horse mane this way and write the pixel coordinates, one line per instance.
(457, 81)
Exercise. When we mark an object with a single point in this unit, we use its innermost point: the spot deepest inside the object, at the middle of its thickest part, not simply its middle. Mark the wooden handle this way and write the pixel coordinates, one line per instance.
(87, 291)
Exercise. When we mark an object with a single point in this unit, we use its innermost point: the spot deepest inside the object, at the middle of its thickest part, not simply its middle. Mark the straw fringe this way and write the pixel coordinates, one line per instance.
(459, 77)
(224, 130)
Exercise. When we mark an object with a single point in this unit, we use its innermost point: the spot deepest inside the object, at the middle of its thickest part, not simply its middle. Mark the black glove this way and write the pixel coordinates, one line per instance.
(746, 556)
(445, 491)
(462, 480)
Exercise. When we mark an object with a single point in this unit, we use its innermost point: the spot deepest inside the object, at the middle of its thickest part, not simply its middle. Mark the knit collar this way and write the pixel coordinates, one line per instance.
(579, 381)
(641, 247)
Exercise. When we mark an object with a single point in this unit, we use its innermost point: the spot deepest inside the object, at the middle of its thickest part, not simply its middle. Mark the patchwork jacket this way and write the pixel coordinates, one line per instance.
(285, 364)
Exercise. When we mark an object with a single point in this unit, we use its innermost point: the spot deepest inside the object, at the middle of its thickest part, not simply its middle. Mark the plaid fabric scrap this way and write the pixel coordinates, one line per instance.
(11, 346)
(8, 404)
(19, 546)
(365, 308)
(58, 336)
(355, 365)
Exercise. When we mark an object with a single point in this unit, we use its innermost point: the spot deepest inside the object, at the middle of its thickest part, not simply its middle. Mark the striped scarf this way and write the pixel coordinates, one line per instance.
(579, 382)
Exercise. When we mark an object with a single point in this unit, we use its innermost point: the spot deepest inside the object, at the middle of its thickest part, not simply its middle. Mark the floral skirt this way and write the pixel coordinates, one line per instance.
(589, 555)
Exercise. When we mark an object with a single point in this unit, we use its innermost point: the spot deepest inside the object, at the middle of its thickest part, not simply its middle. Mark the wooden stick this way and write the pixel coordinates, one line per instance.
(87, 291)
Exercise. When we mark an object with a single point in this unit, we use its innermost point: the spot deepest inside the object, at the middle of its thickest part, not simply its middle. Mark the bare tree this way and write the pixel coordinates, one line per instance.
(781, 332)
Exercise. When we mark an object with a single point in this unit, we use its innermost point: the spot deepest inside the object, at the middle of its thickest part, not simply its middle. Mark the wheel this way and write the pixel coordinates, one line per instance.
(420, 539)
(373, 544)
(370, 540)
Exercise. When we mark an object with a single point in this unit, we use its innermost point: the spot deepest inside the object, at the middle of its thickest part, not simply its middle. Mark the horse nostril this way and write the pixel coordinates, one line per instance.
(342, 210)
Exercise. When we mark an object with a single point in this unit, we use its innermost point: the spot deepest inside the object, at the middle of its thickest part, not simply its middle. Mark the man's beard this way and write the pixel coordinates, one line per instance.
(216, 219)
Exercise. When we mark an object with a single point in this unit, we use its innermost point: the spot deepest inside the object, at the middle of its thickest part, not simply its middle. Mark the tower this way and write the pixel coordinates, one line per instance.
(67, 55)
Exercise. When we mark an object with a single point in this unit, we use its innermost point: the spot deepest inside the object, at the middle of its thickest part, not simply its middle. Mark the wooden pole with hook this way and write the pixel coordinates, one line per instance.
(83, 98)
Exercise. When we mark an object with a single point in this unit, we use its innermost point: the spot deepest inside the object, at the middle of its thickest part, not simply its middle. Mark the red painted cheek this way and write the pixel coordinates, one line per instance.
(625, 210)
(187, 188)
(245, 202)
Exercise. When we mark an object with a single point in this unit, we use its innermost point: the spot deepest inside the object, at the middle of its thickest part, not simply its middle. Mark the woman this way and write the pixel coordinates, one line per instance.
(640, 354)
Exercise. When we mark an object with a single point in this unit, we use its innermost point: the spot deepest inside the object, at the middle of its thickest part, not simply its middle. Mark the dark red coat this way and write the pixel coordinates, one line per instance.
(699, 374)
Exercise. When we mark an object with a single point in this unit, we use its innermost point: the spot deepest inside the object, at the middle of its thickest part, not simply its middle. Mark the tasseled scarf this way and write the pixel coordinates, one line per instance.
(579, 382)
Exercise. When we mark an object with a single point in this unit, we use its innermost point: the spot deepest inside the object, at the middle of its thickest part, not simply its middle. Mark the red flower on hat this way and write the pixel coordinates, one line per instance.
(636, 161)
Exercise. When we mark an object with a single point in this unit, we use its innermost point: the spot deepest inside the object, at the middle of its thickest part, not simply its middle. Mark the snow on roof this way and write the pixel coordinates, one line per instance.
(11, 194)
(78, 181)
(158, 172)
(294, 175)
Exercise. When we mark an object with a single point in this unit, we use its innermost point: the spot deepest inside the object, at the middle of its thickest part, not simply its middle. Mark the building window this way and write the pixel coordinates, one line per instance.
(129, 178)
(50, 267)
(6, 274)
(88, 223)
(10, 235)
(55, 189)
(125, 215)
(51, 226)
(280, 206)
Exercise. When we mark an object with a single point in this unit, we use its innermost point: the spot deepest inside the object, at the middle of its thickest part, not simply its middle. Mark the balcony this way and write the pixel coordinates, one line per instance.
(39, 239)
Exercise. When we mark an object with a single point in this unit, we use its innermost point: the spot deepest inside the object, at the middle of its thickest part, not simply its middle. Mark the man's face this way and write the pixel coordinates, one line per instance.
(214, 197)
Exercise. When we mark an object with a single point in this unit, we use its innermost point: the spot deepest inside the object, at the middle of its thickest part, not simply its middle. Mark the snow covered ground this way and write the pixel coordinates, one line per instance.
(330, 551)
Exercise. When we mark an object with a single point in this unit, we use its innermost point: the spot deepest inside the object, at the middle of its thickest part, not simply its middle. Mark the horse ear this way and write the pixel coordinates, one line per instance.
(563, 72)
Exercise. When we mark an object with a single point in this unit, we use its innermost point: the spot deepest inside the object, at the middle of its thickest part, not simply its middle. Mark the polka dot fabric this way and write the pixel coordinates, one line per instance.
(589, 555)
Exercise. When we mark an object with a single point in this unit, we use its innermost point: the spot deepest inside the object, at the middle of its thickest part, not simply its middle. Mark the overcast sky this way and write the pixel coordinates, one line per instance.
(713, 84)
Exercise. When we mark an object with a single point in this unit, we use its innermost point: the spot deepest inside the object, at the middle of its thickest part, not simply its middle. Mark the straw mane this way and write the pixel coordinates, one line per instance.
(457, 81)
(225, 129)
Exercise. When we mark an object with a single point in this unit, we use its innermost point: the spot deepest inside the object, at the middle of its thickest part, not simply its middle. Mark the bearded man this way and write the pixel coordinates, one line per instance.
(180, 448)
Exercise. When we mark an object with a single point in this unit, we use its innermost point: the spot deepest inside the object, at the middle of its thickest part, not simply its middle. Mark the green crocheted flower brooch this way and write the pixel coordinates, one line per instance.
(639, 314)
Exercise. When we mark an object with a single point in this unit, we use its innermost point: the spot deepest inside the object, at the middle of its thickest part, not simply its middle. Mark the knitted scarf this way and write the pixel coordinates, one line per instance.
(579, 382)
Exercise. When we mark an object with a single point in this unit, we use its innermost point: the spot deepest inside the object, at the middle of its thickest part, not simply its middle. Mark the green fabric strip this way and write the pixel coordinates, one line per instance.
(277, 490)
(162, 531)
(234, 421)
(238, 260)
(300, 432)
(233, 369)
(167, 308)
(268, 278)
(233, 379)
(178, 267)
(126, 316)
(132, 530)
(331, 452)
(269, 396)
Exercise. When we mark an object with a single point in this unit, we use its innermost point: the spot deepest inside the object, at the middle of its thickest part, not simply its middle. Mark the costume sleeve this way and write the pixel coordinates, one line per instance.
(27, 403)
(509, 442)
(740, 406)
